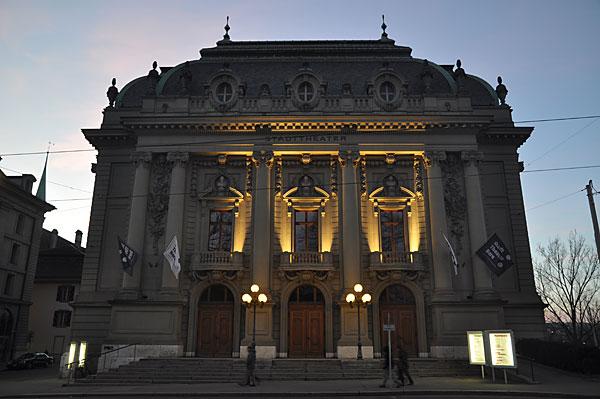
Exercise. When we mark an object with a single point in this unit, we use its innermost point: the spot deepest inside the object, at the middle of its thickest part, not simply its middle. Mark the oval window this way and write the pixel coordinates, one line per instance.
(306, 92)
(224, 92)
(387, 91)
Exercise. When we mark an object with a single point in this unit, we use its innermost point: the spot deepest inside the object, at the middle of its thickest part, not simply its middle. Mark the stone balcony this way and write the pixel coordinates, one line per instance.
(217, 260)
(407, 261)
(306, 261)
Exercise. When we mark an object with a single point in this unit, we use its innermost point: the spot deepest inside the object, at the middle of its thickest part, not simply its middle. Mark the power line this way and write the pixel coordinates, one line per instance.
(254, 189)
(50, 181)
(261, 139)
(554, 200)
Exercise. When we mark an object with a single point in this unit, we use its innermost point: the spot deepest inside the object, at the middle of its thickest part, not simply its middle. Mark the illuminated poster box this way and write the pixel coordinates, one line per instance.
(501, 349)
(476, 347)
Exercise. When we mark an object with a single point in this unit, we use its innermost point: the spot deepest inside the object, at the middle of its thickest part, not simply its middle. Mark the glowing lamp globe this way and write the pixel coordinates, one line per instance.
(246, 298)
(262, 298)
(366, 298)
(350, 298)
(254, 288)
(358, 288)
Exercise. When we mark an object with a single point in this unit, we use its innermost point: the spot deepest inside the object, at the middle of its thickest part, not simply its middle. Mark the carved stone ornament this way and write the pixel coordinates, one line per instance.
(278, 175)
(349, 157)
(433, 158)
(185, 79)
(454, 199)
(158, 199)
(263, 158)
(216, 275)
(471, 158)
(418, 170)
(397, 275)
(333, 164)
(142, 159)
(305, 275)
(178, 159)
(249, 174)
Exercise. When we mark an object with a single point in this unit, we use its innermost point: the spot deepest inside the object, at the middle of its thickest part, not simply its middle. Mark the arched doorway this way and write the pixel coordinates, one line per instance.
(5, 333)
(215, 322)
(397, 304)
(307, 322)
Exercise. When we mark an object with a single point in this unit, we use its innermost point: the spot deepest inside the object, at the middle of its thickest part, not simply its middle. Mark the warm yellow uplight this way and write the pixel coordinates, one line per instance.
(366, 298)
(254, 288)
(262, 298)
(246, 298)
(350, 298)
(358, 288)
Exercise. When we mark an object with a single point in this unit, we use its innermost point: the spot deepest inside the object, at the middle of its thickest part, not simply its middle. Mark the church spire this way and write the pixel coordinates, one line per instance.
(41, 190)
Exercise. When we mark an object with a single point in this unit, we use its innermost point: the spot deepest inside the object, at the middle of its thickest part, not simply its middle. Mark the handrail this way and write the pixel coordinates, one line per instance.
(85, 372)
(531, 360)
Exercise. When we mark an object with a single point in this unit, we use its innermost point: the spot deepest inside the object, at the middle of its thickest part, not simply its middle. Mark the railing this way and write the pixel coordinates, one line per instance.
(210, 260)
(306, 259)
(396, 260)
(77, 370)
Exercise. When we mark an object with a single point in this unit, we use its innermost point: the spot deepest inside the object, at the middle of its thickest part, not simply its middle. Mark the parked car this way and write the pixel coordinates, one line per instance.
(31, 360)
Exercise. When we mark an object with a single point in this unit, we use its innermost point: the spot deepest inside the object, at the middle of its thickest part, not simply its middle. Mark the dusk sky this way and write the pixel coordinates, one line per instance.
(58, 58)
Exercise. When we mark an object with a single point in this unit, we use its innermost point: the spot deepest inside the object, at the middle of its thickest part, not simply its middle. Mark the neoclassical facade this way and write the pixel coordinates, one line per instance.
(305, 167)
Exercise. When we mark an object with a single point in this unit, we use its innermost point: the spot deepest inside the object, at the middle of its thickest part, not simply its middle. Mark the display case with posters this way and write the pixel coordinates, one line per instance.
(476, 346)
(500, 349)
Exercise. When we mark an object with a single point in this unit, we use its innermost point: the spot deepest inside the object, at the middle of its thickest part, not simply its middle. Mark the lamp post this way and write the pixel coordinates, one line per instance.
(352, 298)
(251, 300)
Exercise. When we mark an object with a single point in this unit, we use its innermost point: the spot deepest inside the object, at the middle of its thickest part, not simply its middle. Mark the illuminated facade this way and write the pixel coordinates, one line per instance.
(305, 167)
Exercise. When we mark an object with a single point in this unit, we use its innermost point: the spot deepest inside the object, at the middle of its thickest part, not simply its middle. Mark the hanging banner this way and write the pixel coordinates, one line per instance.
(495, 255)
(172, 256)
(476, 345)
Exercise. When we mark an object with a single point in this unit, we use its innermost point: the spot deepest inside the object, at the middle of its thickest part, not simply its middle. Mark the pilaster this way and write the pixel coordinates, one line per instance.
(261, 220)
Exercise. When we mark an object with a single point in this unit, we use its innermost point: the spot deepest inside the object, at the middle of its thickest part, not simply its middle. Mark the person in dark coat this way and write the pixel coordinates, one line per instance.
(403, 366)
(250, 366)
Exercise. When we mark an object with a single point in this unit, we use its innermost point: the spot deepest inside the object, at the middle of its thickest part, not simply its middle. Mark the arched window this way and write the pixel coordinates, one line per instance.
(307, 294)
(398, 295)
(216, 293)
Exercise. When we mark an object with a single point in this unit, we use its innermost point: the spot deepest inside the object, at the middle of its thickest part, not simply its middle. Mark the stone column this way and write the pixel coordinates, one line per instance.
(442, 266)
(349, 160)
(174, 216)
(137, 221)
(261, 219)
(482, 279)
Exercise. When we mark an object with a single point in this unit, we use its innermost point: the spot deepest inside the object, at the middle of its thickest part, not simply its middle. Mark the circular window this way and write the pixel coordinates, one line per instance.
(224, 92)
(306, 92)
(387, 91)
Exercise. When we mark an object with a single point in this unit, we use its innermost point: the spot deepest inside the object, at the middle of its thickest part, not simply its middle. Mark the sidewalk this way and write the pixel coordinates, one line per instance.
(552, 384)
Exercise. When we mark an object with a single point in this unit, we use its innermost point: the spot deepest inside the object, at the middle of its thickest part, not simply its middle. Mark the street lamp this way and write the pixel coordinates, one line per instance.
(251, 300)
(352, 298)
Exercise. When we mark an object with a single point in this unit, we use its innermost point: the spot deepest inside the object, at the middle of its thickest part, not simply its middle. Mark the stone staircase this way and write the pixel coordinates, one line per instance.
(198, 370)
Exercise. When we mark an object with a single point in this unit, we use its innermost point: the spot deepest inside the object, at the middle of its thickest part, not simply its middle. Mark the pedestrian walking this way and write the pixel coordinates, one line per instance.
(250, 366)
(403, 366)
(386, 368)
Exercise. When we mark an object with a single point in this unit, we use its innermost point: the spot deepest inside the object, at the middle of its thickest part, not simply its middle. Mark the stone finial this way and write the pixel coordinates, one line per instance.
(384, 35)
(112, 93)
(226, 35)
(501, 91)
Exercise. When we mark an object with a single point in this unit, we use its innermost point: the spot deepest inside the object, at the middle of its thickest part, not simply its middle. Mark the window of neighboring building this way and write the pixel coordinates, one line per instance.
(14, 254)
(306, 231)
(62, 318)
(306, 92)
(220, 230)
(387, 91)
(392, 231)
(224, 92)
(65, 293)
(8, 284)
(20, 223)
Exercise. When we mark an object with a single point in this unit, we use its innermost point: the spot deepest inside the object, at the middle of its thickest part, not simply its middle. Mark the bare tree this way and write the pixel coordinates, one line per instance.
(568, 280)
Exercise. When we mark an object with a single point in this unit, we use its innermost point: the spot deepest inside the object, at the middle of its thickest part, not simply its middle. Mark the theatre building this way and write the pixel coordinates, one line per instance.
(305, 167)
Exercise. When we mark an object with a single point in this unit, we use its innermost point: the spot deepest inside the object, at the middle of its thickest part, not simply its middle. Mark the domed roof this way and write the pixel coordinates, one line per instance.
(337, 68)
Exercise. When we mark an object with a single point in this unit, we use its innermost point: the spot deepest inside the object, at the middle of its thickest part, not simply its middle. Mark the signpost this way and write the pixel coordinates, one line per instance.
(389, 328)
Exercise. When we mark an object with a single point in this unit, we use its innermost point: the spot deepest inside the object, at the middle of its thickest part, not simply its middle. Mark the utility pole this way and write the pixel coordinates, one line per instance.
(590, 196)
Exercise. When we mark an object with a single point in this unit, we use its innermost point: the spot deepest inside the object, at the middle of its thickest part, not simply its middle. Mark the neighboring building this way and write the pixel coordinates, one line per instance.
(21, 219)
(305, 167)
(55, 287)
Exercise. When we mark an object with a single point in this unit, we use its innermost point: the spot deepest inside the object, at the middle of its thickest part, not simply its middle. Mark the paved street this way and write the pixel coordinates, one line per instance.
(44, 383)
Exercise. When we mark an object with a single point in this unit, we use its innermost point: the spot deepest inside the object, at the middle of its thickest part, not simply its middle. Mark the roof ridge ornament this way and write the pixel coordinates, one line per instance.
(226, 37)
(384, 35)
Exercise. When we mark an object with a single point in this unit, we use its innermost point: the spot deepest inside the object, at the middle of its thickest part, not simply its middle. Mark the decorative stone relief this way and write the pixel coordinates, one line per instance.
(418, 169)
(397, 275)
(333, 165)
(278, 175)
(305, 275)
(178, 159)
(216, 275)
(249, 173)
(263, 158)
(158, 198)
(431, 158)
(454, 199)
(143, 159)
(363, 176)
(349, 156)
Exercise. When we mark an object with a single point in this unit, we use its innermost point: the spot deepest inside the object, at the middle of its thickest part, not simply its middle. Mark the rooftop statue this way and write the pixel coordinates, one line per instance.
(152, 78)
(185, 79)
(112, 93)
(460, 76)
(501, 91)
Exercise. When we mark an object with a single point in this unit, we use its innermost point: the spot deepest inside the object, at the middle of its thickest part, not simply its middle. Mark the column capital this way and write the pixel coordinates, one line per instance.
(349, 155)
(263, 158)
(432, 158)
(471, 157)
(141, 158)
(178, 158)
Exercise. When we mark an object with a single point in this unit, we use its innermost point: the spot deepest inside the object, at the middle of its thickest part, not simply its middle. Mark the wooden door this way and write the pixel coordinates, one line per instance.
(404, 318)
(306, 331)
(215, 331)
